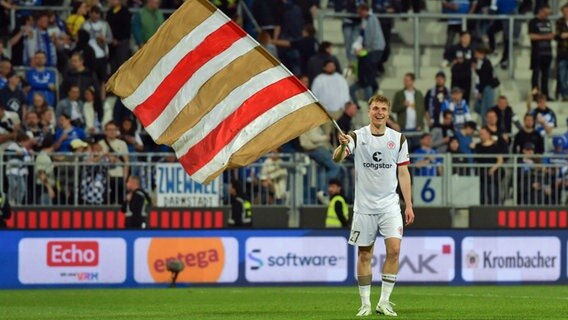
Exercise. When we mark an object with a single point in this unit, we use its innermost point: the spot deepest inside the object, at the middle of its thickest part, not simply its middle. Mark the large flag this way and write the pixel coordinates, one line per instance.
(207, 89)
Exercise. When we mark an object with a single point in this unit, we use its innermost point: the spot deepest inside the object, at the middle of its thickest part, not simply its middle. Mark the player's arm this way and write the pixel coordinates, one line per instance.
(404, 179)
(405, 187)
(346, 146)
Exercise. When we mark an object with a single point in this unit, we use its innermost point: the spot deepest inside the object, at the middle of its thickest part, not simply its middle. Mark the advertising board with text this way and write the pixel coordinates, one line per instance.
(511, 259)
(206, 260)
(296, 259)
(175, 188)
(71, 260)
(422, 259)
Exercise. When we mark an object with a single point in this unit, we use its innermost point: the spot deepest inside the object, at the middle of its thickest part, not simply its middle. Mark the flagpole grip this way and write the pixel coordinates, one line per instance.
(336, 125)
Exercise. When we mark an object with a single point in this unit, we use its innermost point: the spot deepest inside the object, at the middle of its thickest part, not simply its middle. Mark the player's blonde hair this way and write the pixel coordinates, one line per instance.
(379, 98)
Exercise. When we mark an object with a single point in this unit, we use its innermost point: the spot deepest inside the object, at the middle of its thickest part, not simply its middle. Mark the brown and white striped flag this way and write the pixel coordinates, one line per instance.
(206, 88)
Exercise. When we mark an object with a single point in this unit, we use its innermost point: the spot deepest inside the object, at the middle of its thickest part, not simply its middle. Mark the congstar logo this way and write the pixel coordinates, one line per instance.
(378, 164)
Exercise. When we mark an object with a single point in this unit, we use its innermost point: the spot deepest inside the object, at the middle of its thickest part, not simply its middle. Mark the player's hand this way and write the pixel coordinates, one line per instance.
(343, 139)
(408, 215)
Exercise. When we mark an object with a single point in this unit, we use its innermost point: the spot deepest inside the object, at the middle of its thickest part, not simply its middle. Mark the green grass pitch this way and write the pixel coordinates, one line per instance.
(439, 302)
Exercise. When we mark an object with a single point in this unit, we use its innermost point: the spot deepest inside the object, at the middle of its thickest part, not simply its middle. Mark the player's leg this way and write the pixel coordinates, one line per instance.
(390, 227)
(363, 235)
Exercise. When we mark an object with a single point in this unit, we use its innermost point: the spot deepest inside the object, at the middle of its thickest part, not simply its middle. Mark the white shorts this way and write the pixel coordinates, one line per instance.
(366, 226)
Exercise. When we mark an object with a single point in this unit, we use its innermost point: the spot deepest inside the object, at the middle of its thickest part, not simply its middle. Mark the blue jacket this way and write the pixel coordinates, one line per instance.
(40, 81)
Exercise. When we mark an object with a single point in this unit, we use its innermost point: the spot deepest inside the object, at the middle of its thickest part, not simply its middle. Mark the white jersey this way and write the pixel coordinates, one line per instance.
(376, 162)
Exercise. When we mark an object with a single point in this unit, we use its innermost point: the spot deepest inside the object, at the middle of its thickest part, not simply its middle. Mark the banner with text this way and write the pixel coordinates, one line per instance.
(175, 188)
(511, 259)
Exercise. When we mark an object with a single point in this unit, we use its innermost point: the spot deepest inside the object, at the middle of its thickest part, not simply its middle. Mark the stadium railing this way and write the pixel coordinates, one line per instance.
(294, 180)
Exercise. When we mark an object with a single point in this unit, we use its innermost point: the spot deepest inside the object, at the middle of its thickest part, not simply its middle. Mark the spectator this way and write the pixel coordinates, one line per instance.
(33, 128)
(58, 32)
(44, 111)
(84, 49)
(92, 110)
(557, 172)
(265, 41)
(528, 134)
(544, 116)
(76, 19)
(12, 97)
(562, 52)
(316, 62)
(506, 8)
(66, 134)
(459, 161)
(454, 24)
(485, 84)
(529, 177)
(408, 104)
(350, 26)
(94, 174)
(41, 80)
(460, 58)
(119, 21)
(118, 155)
(415, 5)
(73, 107)
(5, 210)
(458, 106)
(5, 70)
(332, 90)
(368, 48)
(434, 99)
(309, 10)
(134, 142)
(505, 116)
(241, 207)
(17, 38)
(316, 145)
(442, 133)
(146, 22)
(427, 165)
(345, 122)
(100, 36)
(78, 76)
(541, 35)
(386, 6)
(465, 137)
(3, 56)
(18, 154)
(39, 40)
(9, 126)
(44, 171)
(337, 209)
(267, 16)
(274, 178)
(503, 140)
(306, 46)
(137, 204)
(489, 174)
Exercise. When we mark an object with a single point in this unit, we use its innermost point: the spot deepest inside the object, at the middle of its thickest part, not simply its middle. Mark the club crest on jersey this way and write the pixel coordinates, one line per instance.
(391, 145)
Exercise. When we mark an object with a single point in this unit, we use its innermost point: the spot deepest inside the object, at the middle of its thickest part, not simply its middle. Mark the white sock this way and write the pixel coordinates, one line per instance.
(365, 293)
(386, 287)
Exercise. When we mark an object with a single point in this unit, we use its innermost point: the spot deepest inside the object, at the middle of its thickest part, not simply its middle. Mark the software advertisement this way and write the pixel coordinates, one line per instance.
(511, 259)
(72, 260)
(205, 260)
(422, 259)
(296, 259)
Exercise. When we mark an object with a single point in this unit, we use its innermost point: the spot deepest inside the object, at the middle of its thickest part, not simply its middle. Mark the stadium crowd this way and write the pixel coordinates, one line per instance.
(53, 98)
